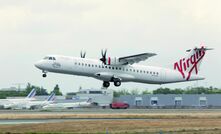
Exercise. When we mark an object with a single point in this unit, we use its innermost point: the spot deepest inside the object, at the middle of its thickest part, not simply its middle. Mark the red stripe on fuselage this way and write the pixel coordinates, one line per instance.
(109, 60)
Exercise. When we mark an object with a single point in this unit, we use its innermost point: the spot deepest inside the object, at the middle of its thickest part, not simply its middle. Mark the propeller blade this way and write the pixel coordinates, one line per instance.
(83, 54)
(103, 54)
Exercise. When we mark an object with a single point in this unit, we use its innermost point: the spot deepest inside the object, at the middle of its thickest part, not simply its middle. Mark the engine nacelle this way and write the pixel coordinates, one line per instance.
(113, 61)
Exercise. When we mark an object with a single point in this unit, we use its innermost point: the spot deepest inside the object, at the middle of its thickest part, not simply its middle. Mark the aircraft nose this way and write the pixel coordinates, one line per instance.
(38, 64)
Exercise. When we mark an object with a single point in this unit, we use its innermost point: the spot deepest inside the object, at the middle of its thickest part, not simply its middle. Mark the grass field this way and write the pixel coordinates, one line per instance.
(199, 126)
(178, 123)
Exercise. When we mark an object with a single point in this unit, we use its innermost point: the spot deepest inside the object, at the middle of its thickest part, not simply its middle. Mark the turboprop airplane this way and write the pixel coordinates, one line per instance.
(10, 103)
(70, 105)
(124, 69)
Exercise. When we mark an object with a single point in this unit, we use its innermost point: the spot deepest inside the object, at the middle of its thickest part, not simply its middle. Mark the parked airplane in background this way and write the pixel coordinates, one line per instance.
(10, 103)
(124, 69)
(38, 104)
(70, 105)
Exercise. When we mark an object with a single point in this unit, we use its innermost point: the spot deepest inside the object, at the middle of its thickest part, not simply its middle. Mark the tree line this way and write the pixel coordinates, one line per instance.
(27, 90)
(189, 90)
(117, 93)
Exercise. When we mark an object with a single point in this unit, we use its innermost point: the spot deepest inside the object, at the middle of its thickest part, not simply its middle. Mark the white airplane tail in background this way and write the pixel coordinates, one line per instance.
(190, 65)
(51, 97)
(31, 94)
(89, 100)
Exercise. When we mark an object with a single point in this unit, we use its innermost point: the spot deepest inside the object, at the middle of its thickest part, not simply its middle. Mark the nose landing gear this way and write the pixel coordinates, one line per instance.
(44, 75)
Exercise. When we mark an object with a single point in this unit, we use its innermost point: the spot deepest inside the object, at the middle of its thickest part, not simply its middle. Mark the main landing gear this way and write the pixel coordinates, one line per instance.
(117, 83)
(106, 84)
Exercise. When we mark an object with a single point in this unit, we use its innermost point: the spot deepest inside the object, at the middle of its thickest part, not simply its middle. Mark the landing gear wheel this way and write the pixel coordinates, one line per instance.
(44, 75)
(106, 84)
(117, 83)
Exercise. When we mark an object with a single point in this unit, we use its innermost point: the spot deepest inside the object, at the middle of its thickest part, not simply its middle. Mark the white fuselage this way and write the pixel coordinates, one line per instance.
(126, 73)
(36, 104)
(15, 103)
(68, 105)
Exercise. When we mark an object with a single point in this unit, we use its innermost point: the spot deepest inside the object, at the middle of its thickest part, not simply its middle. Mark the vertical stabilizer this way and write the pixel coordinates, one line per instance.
(31, 94)
(191, 64)
(51, 97)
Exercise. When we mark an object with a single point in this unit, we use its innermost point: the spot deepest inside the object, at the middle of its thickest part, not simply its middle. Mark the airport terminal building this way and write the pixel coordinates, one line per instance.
(172, 101)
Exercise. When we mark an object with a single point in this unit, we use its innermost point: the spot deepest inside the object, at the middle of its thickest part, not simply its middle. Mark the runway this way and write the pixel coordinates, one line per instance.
(99, 120)
(55, 116)
(38, 121)
(110, 111)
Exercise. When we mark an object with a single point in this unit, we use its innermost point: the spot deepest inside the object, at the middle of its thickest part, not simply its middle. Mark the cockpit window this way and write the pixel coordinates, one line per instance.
(49, 58)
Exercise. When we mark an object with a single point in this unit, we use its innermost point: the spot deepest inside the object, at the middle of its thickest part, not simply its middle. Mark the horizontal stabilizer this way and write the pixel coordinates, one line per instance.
(205, 49)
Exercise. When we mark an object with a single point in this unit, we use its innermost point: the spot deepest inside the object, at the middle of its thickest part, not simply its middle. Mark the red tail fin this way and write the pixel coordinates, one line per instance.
(191, 63)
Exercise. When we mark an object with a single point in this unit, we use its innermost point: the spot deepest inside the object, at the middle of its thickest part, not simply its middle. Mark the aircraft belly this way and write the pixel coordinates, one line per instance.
(148, 78)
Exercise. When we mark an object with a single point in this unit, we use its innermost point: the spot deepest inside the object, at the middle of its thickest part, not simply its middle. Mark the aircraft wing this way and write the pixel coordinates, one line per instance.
(135, 58)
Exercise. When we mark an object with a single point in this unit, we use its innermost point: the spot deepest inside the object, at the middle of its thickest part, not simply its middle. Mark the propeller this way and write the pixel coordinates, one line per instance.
(83, 54)
(104, 54)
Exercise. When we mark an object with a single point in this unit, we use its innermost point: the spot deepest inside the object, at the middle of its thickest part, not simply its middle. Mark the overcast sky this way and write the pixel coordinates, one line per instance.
(31, 29)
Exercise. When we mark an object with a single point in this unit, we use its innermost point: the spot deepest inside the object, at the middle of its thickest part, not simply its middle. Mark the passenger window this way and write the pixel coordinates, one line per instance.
(50, 58)
(113, 68)
(92, 65)
(95, 65)
(54, 58)
(109, 67)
